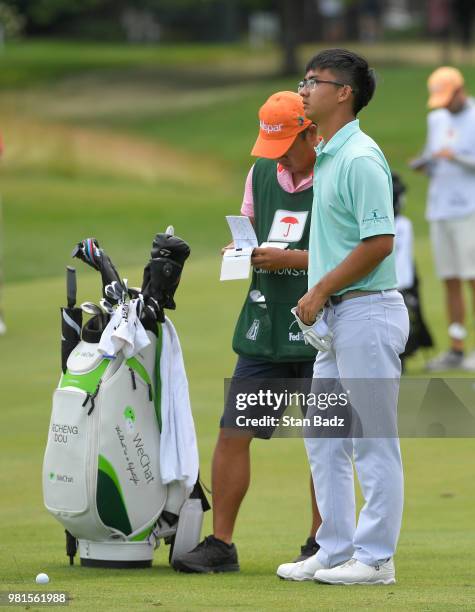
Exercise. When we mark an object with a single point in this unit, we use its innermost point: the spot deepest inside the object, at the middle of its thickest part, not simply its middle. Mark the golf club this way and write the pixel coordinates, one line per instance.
(71, 286)
(106, 307)
(114, 291)
(91, 309)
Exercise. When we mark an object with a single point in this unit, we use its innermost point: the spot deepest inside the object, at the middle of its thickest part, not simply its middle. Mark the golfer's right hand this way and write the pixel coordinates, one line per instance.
(310, 305)
(227, 247)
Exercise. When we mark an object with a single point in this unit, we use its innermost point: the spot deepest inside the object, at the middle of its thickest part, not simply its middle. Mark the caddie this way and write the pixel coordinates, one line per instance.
(278, 200)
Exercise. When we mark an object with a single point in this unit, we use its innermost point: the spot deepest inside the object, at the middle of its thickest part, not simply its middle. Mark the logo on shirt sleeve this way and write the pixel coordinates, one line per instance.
(287, 226)
(374, 217)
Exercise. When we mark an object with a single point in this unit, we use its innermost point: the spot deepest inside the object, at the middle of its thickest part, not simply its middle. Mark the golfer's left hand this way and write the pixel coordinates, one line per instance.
(268, 258)
(310, 305)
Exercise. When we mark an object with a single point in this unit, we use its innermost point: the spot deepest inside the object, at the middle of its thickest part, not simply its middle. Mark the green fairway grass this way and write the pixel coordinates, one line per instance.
(84, 159)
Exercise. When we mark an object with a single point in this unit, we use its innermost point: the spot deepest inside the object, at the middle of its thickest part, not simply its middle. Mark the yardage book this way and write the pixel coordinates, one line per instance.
(236, 263)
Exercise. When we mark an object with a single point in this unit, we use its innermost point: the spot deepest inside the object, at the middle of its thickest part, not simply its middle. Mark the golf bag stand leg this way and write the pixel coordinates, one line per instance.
(71, 546)
(188, 530)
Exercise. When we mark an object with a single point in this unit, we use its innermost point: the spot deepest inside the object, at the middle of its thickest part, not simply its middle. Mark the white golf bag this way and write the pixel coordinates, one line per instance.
(101, 470)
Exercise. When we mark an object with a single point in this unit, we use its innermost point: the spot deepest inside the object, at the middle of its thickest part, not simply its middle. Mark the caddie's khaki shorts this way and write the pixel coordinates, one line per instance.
(453, 246)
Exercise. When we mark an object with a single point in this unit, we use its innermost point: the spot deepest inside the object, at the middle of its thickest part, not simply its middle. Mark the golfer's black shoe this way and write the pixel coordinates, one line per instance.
(210, 556)
(309, 549)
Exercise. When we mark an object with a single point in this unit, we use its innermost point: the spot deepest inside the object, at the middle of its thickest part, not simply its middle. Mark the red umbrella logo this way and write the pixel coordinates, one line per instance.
(291, 221)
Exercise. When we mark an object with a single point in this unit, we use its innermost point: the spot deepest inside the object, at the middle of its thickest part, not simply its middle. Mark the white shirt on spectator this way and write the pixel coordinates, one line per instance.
(452, 182)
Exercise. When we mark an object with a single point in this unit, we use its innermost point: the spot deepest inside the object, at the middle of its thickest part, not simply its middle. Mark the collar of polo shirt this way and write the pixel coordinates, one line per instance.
(338, 140)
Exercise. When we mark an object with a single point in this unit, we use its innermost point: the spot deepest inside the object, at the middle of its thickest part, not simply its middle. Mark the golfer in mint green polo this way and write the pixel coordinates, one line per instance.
(354, 195)
(352, 277)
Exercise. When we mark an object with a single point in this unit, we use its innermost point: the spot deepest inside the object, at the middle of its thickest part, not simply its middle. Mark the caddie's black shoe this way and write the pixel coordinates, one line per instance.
(309, 549)
(210, 556)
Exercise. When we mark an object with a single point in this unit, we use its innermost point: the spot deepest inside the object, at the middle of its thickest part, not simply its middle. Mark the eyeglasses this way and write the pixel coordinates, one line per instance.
(313, 82)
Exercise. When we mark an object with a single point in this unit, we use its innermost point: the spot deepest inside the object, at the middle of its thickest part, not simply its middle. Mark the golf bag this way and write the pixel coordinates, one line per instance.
(419, 334)
(102, 474)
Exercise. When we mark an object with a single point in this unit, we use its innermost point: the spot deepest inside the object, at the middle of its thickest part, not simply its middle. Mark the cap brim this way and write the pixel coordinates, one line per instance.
(272, 149)
(440, 99)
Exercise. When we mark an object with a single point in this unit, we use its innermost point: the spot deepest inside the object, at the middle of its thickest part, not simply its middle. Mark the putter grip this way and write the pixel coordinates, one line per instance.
(71, 286)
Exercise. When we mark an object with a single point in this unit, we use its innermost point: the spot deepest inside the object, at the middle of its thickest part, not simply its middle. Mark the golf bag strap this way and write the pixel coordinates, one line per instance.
(198, 493)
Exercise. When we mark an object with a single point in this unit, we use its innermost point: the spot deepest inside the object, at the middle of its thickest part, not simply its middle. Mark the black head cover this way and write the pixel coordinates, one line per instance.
(163, 271)
(89, 252)
(170, 246)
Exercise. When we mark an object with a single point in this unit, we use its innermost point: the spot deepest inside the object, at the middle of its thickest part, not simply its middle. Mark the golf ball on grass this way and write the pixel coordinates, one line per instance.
(42, 579)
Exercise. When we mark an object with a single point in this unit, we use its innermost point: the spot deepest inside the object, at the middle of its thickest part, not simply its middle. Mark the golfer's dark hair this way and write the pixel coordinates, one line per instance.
(349, 68)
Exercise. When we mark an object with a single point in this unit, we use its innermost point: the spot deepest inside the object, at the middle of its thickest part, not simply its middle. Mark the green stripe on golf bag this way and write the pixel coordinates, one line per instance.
(109, 498)
(138, 367)
(87, 382)
(140, 537)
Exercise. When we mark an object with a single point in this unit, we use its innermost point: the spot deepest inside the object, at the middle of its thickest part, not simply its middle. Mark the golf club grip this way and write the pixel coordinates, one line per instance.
(71, 286)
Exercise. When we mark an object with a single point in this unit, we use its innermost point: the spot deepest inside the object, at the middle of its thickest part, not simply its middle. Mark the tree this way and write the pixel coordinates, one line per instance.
(11, 24)
(291, 12)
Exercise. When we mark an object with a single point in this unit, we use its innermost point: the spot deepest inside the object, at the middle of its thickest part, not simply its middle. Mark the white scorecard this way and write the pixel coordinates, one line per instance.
(242, 231)
(236, 263)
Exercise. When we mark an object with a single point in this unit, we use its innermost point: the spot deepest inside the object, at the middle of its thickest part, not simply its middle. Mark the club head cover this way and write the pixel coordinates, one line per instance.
(170, 247)
(109, 273)
(163, 272)
(165, 277)
(89, 252)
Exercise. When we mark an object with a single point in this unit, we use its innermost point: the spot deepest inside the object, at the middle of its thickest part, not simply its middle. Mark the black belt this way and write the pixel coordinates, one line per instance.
(334, 300)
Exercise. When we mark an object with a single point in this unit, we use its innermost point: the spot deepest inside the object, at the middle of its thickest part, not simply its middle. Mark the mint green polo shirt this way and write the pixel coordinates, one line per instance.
(352, 200)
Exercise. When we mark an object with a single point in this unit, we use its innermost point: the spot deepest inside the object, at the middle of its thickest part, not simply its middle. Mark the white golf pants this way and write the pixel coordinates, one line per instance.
(370, 332)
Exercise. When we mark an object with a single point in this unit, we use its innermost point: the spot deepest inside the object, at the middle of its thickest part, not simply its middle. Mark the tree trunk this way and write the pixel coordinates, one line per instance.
(290, 14)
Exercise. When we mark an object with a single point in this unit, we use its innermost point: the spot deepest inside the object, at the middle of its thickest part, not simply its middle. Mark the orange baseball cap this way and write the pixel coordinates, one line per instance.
(281, 118)
(442, 85)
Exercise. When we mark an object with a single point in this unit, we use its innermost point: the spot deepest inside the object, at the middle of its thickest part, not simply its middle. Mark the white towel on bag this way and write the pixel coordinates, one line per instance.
(178, 447)
(124, 332)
